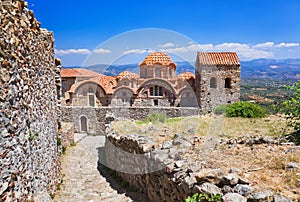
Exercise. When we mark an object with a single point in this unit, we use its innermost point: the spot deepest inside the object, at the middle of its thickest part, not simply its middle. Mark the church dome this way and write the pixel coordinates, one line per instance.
(158, 58)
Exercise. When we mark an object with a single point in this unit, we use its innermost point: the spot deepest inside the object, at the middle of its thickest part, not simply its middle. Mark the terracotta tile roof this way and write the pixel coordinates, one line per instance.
(127, 74)
(158, 58)
(218, 58)
(107, 82)
(77, 72)
(186, 76)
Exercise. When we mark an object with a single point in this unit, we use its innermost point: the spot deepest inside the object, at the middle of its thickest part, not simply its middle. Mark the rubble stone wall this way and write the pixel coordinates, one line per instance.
(29, 106)
(96, 116)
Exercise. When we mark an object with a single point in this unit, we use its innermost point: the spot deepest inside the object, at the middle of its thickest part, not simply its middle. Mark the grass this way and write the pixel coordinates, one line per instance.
(271, 126)
(263, 165)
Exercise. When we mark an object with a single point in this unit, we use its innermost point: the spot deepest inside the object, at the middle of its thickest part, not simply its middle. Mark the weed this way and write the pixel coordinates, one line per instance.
(204, 198)
(72, 144)
(63, 149)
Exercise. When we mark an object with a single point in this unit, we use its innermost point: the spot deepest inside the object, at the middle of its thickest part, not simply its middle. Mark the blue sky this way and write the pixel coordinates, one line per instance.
(253, 28)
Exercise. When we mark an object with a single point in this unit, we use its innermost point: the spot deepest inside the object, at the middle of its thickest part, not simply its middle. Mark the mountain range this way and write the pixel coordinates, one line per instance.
(259, 68)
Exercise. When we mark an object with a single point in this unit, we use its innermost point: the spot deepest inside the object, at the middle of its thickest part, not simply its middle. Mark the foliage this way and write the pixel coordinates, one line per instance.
(204, 198)
(291, 108)
(154, 117)
(245, 110)
(63, 149)
(220, 109)
(72, 144)
(58, 141)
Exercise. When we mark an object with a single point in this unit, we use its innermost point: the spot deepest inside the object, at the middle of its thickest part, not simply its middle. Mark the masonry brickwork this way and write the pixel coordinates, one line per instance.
(29, 106)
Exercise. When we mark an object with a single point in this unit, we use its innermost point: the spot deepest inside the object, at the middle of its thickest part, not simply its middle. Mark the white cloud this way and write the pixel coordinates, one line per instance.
(138, 51)
(192, 47)
(82, 51)
(245, 51)
(264, 45)
(101, 50)
(286, 45)
(167, 45)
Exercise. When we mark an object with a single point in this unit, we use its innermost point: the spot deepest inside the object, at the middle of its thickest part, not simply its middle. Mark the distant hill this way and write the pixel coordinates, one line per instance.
(270, 68)
(260, 68)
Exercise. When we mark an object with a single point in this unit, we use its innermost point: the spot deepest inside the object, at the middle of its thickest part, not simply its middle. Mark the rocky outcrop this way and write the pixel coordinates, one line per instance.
(29, 105)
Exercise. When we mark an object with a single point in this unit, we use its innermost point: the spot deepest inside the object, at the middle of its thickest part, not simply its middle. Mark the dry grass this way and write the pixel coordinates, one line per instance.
(263, 165)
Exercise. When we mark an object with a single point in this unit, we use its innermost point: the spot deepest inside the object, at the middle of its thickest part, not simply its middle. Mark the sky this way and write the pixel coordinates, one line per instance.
(107, 32)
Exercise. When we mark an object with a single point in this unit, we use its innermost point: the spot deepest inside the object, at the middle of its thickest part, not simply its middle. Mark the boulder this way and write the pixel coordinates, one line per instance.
(243, 190)
(207, 188)
(234, 197)
(265, 196)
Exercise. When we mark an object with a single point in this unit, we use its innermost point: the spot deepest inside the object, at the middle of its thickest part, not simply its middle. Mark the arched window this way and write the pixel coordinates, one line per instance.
(91, 90)
(213, 82)
(157, 73)
(83, 124)
(156, 91)
(228, 83)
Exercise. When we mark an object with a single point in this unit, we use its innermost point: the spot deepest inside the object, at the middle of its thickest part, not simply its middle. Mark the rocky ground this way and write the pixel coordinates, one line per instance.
(82, 180)
(247, 156)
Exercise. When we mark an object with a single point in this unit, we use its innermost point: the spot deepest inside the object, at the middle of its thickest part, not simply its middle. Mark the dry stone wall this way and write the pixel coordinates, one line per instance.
(96, 116)
(165, 173)
(29, 106)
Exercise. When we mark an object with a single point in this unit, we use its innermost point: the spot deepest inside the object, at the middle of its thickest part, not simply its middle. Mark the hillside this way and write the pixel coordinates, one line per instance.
(259, 68)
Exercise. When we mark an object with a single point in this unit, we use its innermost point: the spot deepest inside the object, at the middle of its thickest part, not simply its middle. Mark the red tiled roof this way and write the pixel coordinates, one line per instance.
(127, 74)
(186, 76)
(158, 58)
(106, 82)
(77, 72)
(218, 58)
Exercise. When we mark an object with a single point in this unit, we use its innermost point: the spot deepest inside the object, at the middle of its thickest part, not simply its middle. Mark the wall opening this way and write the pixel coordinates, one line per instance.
(91, 99)
(157, 73)
(228, 83)
(83, 124)
(213, 82)
(156, 91)
(155, 102)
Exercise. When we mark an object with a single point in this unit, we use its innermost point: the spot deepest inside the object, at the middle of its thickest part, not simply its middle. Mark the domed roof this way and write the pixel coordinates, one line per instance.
(186, 76)
(127, 74)
(158, 58)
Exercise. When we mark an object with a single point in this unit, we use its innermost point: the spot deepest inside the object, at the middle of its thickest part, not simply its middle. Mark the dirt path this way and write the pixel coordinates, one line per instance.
(83, 182)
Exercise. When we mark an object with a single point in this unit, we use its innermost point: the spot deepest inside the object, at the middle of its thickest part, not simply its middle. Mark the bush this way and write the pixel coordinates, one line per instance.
(245, 110)
(155, 117)
(291, 107)
(220, 109)
(204, 198)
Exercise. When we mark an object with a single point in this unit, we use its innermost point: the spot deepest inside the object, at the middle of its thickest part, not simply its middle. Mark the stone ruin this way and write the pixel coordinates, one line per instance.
(29, 109)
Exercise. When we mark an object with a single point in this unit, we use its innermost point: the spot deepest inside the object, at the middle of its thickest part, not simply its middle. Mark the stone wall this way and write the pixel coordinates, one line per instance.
(96, 116)
(166, 173)
(29, 106)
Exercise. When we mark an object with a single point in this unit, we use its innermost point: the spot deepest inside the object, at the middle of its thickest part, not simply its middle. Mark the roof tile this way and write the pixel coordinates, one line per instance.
(218, 58)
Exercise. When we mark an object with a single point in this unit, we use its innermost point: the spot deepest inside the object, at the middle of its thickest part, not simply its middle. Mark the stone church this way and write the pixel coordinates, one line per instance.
(216, 81)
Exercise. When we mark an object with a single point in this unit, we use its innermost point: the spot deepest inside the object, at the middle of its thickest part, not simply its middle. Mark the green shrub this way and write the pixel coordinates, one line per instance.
(155, 117)
(204, 198)
(245, 110)
(220, 109)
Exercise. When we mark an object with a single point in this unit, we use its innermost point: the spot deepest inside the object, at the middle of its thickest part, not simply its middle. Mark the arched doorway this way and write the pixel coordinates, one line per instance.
(83, 124)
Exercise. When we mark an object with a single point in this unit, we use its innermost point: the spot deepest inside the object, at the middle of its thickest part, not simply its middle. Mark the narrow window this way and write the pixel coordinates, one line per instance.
(91, 100)
(228, 83)
(157, 73)
(155, 102)
(83, 124)
(213, 82)
(151, 91)
(170, 73)
(91, 90)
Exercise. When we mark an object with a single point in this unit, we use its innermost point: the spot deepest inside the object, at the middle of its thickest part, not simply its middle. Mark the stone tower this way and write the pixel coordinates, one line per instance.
(217, 79)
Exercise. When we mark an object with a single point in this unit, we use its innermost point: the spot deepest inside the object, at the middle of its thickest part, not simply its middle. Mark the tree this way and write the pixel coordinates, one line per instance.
(291, 108)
